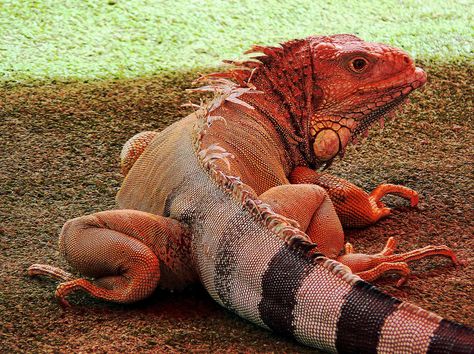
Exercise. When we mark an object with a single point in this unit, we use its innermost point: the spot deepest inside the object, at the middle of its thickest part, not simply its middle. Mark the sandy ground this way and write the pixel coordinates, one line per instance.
(59, 155)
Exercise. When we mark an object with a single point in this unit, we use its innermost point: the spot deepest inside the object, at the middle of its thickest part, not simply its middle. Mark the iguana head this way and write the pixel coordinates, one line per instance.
(322, 92)
(358, 83)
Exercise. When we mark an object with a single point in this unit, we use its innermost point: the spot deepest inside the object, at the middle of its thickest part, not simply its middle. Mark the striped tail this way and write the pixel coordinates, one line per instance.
(322, 304)
(371, 321)
(249, 264)
(354, 317)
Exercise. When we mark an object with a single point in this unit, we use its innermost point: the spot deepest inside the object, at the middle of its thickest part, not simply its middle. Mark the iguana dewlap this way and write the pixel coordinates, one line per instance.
(230, 197)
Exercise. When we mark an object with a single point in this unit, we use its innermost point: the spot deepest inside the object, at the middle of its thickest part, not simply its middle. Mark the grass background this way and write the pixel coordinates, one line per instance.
(59, 160)
(65, 40)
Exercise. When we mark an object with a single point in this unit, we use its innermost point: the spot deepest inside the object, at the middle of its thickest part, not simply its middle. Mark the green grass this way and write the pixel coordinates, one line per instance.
(66, 40)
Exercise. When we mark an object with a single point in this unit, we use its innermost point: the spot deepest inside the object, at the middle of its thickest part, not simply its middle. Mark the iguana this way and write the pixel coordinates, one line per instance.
(231, 197)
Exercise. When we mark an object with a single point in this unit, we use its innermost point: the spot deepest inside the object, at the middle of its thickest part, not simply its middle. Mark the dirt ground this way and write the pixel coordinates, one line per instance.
(59, 156)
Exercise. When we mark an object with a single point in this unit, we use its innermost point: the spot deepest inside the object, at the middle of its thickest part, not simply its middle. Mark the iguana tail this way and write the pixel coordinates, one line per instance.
(261, 266)
(319, 302)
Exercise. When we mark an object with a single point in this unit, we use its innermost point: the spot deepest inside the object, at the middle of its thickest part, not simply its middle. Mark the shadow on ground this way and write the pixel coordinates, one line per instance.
(59, 156)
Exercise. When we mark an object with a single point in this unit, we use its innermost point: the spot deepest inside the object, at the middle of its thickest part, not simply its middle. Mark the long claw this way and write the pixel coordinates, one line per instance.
(49, 271)
(403, 279)
(389, 247)
(62, 301)
(401, 191)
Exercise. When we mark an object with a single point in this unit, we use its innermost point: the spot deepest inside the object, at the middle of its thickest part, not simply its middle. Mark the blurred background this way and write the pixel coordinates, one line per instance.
(103, 39)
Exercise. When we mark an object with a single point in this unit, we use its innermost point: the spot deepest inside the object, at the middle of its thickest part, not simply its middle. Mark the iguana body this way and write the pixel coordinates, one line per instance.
(211, 199)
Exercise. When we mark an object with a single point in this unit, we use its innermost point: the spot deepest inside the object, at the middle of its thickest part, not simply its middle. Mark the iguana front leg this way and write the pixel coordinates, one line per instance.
(127, 253)
(354, 207)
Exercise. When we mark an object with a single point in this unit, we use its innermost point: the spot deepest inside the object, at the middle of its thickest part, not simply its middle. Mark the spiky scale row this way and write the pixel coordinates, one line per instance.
(286, 229)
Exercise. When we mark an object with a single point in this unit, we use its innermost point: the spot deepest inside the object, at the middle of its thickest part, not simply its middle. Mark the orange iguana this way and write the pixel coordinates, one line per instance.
(230, 197)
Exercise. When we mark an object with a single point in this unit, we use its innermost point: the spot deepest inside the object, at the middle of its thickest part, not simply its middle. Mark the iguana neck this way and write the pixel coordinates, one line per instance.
(289, 98)
(282, 137)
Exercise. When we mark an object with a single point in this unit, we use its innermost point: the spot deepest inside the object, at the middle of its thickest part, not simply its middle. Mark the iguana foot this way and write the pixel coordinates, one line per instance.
(371, 267)
(401, 191)
(58, 274)
(117, 284)
(354, 206)
(375, 210)
(109, 288)
(69, 285)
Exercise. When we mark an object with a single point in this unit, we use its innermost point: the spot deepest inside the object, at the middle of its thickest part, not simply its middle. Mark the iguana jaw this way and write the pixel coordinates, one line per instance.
(394, 96)
(332, 134)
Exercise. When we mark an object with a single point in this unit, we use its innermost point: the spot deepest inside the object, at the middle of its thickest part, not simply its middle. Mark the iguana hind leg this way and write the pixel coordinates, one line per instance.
(311, 207)
(125, 252)
(354, 206)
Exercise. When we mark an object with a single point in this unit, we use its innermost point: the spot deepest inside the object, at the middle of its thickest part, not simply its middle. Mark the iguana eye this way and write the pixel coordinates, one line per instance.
(358, 64)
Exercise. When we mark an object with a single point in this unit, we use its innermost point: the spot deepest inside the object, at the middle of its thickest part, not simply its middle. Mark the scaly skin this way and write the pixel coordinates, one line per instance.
(229, 196)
